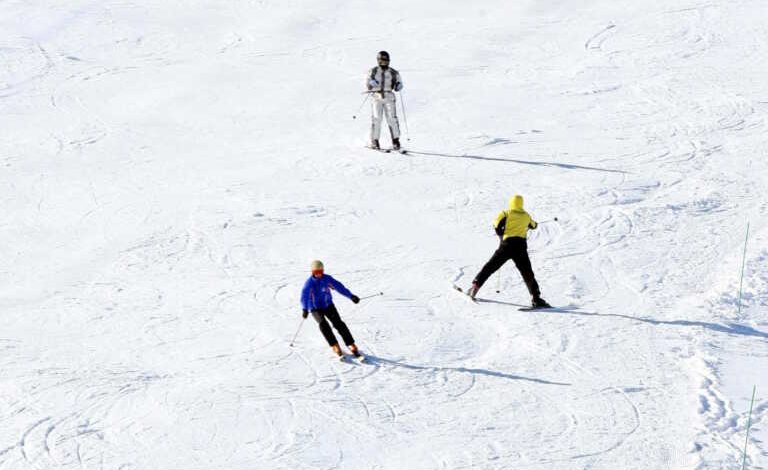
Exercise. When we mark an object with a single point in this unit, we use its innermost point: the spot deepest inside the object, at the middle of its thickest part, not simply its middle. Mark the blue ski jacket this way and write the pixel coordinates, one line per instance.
(316, 293)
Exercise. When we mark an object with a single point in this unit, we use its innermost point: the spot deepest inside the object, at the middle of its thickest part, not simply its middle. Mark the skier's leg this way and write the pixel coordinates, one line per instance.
(325, 328)
(499, 257)
(390, 109)
(338, 323)
(377, 110)
(523, 263)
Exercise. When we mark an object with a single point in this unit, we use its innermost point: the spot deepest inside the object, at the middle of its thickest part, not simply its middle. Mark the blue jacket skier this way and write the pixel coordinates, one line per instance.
(316, 298)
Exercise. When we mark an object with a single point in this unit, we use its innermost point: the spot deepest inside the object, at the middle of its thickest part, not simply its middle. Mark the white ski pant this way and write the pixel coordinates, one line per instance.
(385, 106)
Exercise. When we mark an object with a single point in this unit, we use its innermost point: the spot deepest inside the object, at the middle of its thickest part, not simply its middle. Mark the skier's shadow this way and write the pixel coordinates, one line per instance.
(375, 360)
(567, 166)
(728, 328)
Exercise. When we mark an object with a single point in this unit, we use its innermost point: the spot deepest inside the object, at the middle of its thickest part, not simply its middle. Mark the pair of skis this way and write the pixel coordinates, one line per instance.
(387, 150)
(345, 357)
(522, 308)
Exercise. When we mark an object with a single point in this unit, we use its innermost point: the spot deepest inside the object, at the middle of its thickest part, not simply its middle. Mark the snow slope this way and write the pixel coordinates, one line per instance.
(169, 169)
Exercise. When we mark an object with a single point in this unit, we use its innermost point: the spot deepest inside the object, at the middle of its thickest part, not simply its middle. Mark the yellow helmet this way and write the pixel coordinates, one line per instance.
(516, 203)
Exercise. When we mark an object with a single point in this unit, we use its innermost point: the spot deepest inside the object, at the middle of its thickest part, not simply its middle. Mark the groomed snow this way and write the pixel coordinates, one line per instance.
(169, 169)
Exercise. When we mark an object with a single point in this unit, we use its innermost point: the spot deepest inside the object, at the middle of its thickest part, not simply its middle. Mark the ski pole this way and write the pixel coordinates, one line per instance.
(297, 331)
(354, 116)
(405, 118)
(743, 261)
(749, 425)
(372, 295)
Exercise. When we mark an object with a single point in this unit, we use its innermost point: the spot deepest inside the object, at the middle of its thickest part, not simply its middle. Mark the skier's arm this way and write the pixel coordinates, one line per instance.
(339, 287)
(499, 223)
(370, 80)
(398, 79)
(532, 224)
(305, 304)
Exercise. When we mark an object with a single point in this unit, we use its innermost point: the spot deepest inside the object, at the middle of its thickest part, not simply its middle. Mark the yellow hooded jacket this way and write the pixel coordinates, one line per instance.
(517, 220)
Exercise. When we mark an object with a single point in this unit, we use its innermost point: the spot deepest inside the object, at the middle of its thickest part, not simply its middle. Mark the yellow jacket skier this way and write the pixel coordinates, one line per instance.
(512, 227)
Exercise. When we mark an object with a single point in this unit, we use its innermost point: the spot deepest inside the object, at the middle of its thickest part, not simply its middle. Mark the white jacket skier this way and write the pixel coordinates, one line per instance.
(382, 81)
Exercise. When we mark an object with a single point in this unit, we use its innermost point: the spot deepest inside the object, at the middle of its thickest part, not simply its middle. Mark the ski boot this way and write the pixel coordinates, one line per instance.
(375, 144)
(356, 352)
(472, 292)
(396, 143)
(538, 302)
(337, 350)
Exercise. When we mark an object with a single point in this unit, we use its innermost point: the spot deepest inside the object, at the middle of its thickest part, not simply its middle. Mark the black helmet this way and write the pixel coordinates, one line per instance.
(382, 55)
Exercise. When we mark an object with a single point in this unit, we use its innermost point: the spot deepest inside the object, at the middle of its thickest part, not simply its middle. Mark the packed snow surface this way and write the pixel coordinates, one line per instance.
(169, 169)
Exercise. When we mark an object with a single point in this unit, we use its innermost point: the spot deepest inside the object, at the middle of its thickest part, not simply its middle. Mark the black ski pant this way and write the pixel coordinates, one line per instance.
(515, 249)
(323, 315)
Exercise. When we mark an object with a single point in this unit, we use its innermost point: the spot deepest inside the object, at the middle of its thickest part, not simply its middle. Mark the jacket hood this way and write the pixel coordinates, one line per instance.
(516, 203)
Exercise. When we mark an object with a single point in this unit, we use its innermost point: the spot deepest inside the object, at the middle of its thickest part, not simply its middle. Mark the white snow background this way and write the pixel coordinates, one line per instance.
(168, 170)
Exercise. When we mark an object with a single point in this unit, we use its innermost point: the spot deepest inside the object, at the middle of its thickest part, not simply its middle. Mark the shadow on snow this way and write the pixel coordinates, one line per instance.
(728, 328)
(382, 361)
(567, 166)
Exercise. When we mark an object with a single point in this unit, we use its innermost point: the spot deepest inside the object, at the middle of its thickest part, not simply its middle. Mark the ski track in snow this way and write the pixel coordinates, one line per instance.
(167, 174)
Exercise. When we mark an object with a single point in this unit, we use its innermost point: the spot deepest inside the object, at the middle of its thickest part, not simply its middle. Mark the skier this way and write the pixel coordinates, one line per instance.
(512, 228)
(316, 298)
(382, 82)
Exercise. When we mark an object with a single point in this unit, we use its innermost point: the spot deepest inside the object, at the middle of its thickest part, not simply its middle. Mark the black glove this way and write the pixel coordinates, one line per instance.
(355, 299)
(304, 313)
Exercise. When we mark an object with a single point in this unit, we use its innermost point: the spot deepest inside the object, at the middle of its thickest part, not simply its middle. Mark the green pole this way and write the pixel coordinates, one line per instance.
(743, 261)
(749, 424)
